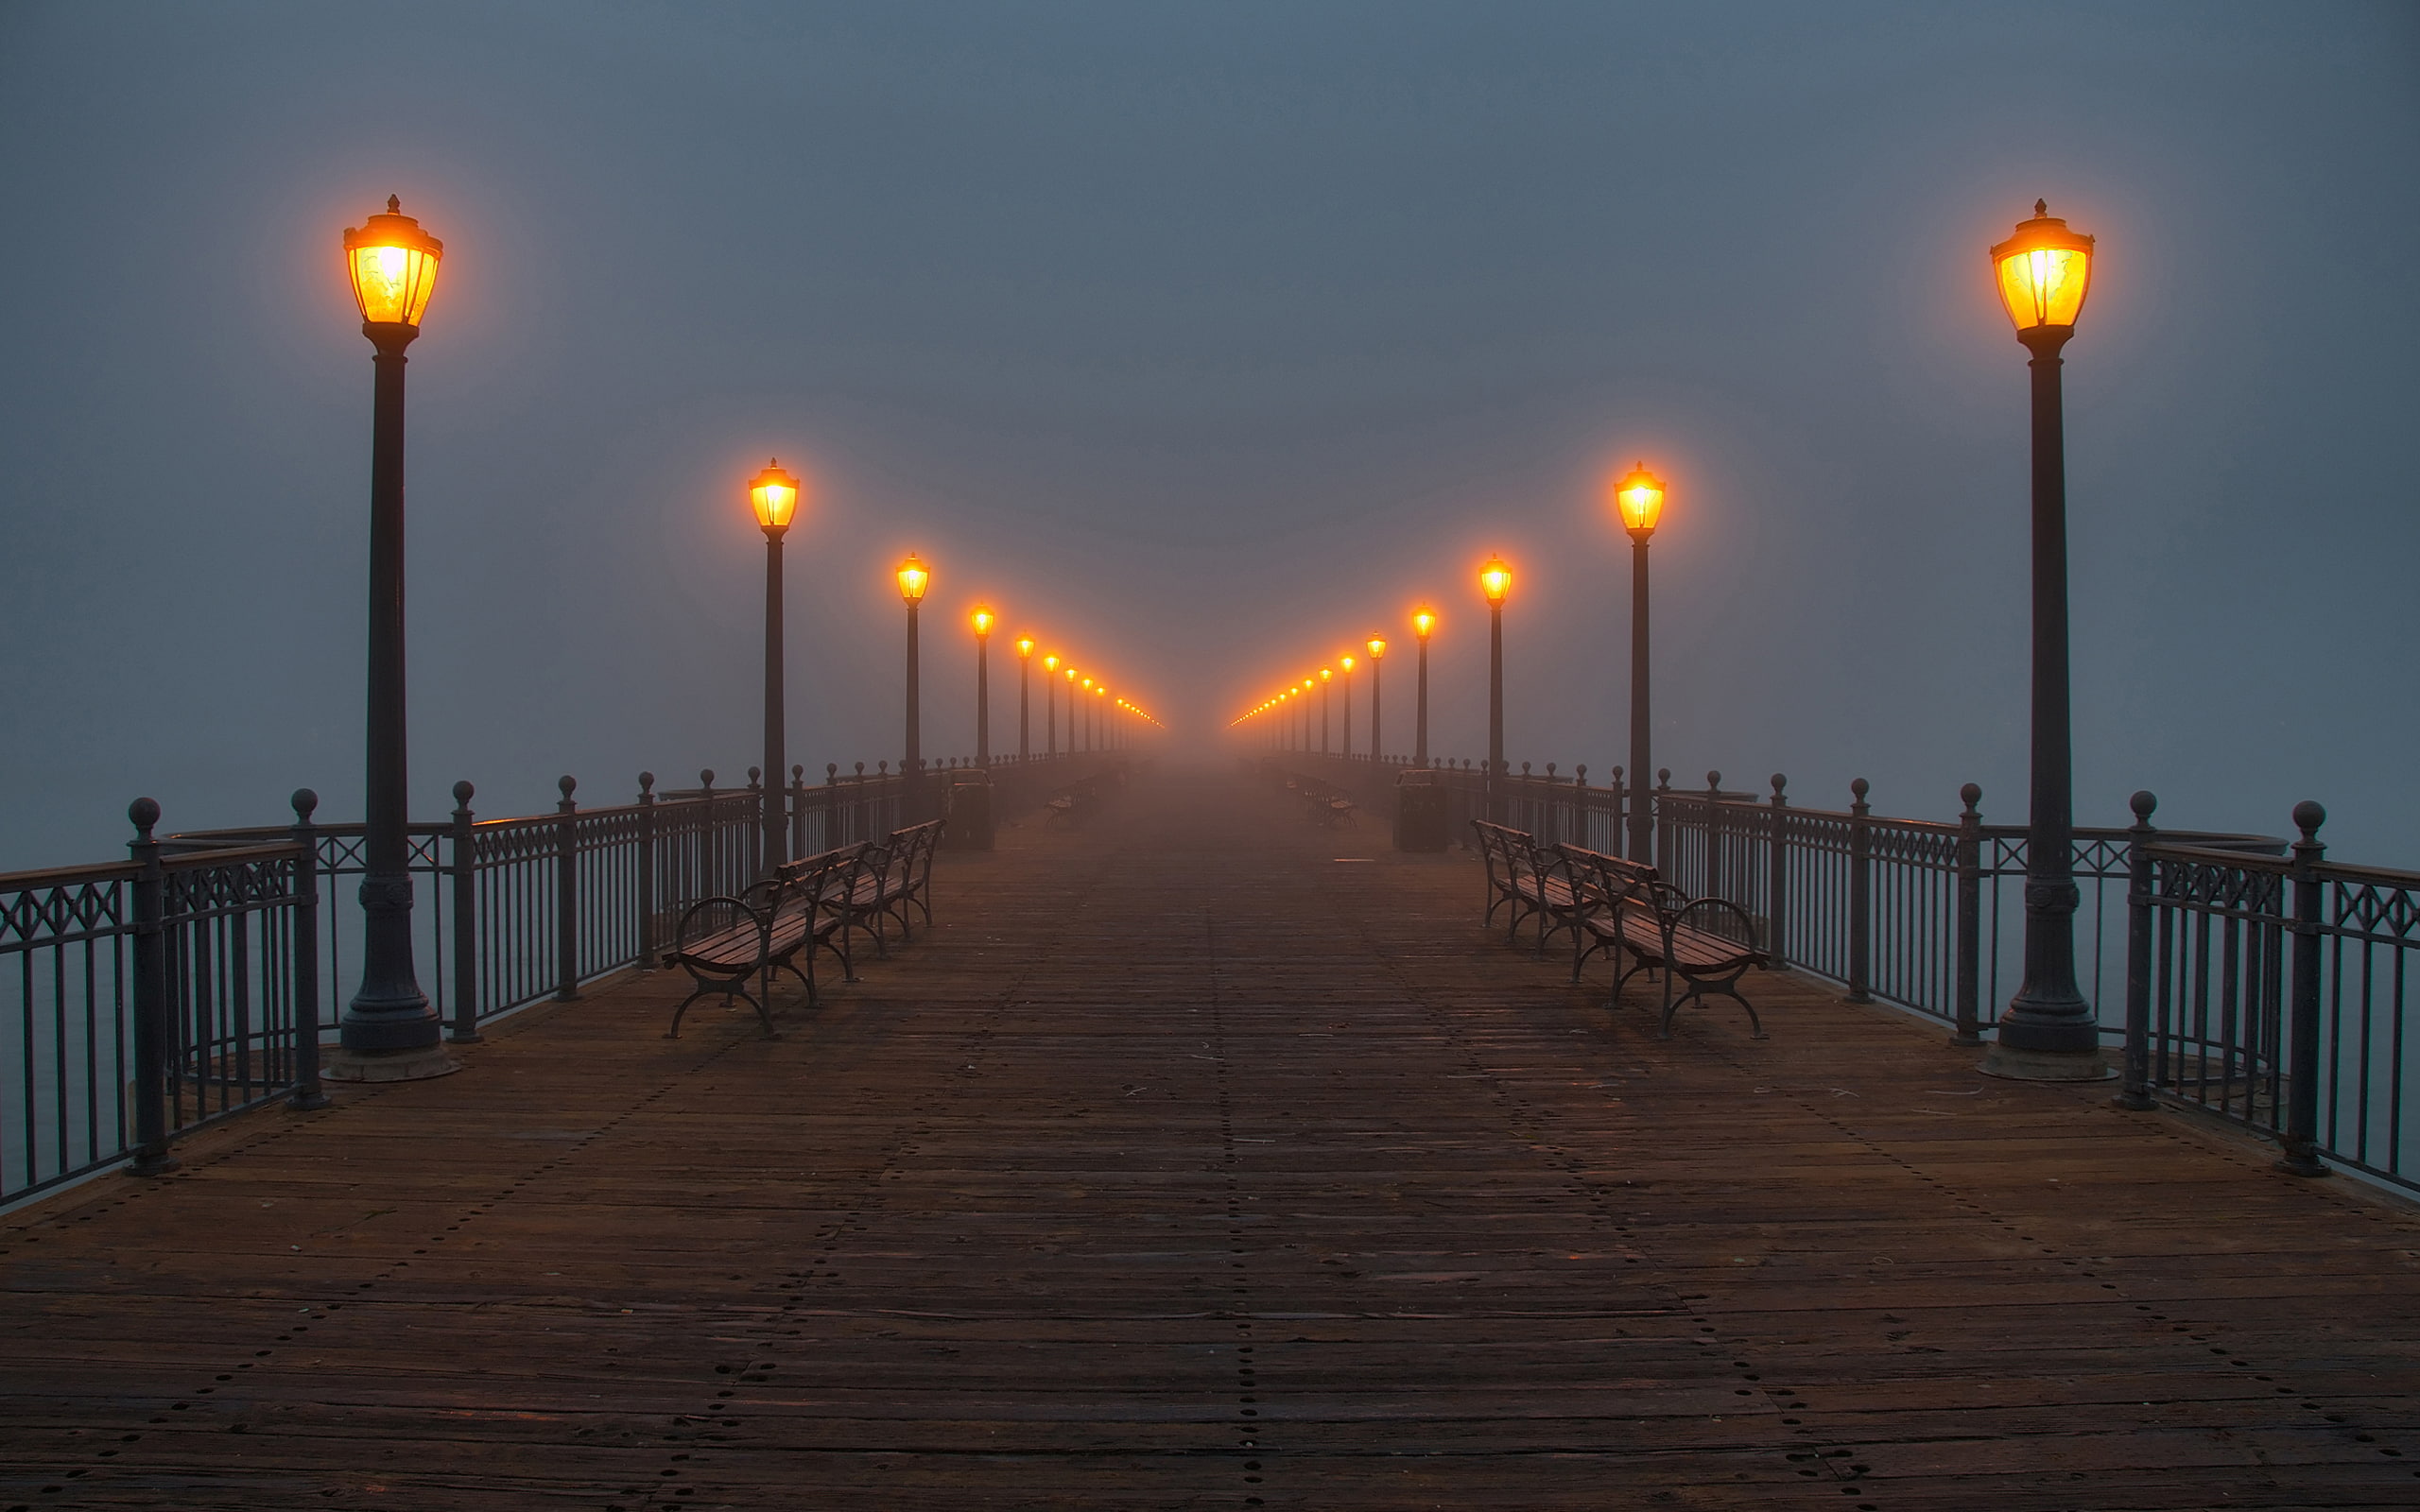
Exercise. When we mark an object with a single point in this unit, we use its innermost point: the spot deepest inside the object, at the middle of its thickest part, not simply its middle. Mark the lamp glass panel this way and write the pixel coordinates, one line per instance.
(2045, 286)
(393, 284)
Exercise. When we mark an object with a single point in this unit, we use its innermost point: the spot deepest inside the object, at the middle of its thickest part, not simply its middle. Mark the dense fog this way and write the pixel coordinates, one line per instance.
(1202, 341)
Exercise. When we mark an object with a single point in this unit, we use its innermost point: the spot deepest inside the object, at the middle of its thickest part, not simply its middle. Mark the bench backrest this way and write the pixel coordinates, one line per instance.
(1610, 879)
(822, 880)
(911, 850)
(1505, 852)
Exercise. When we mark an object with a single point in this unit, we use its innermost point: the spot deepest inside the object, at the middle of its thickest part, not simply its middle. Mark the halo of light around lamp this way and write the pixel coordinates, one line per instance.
(2043, 271)
(773, 494)
(393, 264)
(1639, 498)
(913, 579)
(1495, 580)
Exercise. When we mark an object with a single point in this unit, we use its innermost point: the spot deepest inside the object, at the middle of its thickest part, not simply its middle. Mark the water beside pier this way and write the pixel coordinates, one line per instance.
(1199, 1158)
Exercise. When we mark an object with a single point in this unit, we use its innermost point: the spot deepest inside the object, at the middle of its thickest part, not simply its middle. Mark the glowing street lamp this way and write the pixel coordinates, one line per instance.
(1087, 684)
(1071, 710)
(982, 619)
(392, 264)
(1051, 706)
(1639, 500)
(2048, 1031)
(773, 495)
(1344, 665)
(1326, 674)
(913, 579)
(1377, 727)
(1424, 620)
(1024, 695)
(1495, 584)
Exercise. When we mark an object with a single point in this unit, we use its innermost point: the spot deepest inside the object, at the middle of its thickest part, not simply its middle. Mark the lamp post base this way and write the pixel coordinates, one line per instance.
(2012, 1064)
(389, 1065)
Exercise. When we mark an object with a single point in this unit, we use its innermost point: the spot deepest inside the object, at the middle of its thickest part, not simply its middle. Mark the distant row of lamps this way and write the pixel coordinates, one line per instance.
(773, 494)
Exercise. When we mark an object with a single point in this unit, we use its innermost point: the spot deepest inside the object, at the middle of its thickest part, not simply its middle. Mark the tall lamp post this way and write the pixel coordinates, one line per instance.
(1424, 620)
(1050, 704)
(2047, 1031)
(773, 494)
(1495, 582)
(1327, 674)
(982, 620)
(1101, 706)
(1088, 685)
(1025, 697)
(393, 267)
(1346, 664)
(913, 579)
(1639, 498)
(1377, 729)
(1071, 710)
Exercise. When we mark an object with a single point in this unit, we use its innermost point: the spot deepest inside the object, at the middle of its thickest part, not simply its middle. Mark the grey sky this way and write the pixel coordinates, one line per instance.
(1203, 339)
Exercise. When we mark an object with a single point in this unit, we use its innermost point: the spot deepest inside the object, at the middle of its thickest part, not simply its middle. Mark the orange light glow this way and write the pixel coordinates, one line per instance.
(1071, 674)
(913, 579)
(982, 619)
(1495, 580)
(1326, 673)
(1424, 620)
(1378, 646)
(1640, 499)
(394, 266)
(1024, 646)
(773, 493)
(1050, 663)
(1346, 662)
(2043, 271)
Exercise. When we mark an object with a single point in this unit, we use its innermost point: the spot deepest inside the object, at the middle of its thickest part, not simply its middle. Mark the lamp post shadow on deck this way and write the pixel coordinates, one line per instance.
(1424, 620)
(389, 1031)
(1639, 498)
(913, 581)
(2047, 1031)
(773, 494)
(1495, 582)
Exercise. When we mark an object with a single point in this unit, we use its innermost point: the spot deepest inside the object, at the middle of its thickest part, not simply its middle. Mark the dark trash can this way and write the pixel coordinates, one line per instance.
(1420, 812)
(969, 813)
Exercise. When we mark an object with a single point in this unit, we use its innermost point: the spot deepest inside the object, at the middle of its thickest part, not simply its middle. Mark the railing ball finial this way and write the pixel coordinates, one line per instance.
(1970, 795)
(567, 783)
(1859, 787)
(1525, 768)
(832, 770)
(798, 772)
(2142, 803)
(2308, 816)
(861, 769)
(305, 803)
(705, 777)
(144, 813)
(1779, 782)
(1579, 774)
(1663, 777)
(755, 775)
(1714, 781)
(882, 767)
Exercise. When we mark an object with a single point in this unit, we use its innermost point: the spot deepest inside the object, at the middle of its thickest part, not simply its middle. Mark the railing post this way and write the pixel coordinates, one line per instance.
(1969, 960)
(308, 1094)
(1777, 878)
(1860, 896)
(2136, 1089)
(645, 879)
(798, 814)
(567, 896)
(1663, 816)
(1713, 834)
(2302, 1074)
(1621, 817)
(464, 865)
(760, 792)
(152, 1049)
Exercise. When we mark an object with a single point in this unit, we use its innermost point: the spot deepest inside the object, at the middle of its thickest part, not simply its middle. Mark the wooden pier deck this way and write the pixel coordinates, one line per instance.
(1196, 1161)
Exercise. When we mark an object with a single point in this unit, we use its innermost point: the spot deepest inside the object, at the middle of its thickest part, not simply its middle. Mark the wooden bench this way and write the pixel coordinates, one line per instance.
(1625, 909)
(725, 943)
(1071, 802)
(1323, 803)
(895, 879)
(1530, 883)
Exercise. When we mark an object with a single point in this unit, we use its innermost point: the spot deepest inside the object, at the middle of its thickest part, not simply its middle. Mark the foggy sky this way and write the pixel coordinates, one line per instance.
(1203, 340)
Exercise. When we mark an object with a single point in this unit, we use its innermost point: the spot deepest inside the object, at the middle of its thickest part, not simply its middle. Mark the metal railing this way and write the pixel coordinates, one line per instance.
(143, 997)
(146, 997)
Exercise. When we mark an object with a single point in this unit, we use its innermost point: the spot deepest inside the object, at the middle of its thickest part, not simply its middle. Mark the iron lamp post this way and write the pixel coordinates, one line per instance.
(1051, 706)
(1424, 620)
(773, 494)
(1495, 582)
(1345, 665)
(393, 264)
(2048, 1031)
(982, 619)
(1378, 730)
(913, 581)
(1639, 499)
(1327, 674)
(1071, 710)
(1025, 697)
